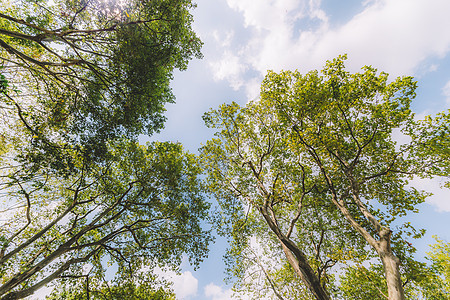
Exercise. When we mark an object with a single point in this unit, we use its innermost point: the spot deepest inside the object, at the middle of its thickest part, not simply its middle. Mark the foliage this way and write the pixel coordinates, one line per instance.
(430, 281)
(359, 282)
(84, 72)
(437, 284)
(124, 291)
(313, 161)
(142, 209)
(79, 81)
(430, 140)
(267, 275)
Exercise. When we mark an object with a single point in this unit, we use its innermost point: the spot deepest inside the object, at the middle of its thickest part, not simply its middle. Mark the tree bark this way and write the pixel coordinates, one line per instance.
(306, 274)
(391, 265)
(297, 259)
(392, 273)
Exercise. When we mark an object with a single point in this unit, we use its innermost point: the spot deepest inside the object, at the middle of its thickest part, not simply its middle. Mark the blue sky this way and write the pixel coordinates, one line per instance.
(245, 38)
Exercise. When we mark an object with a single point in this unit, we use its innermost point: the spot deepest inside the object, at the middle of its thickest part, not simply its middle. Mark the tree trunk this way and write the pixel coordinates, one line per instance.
(10, 296)
(391, 265)
(391, 270)
(306, 274)
(297, 259)
(392, 273)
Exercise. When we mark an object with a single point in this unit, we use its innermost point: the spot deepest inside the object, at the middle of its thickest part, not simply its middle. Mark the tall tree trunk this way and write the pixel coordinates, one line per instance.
(391, 265)
(297, 259)
(392, 273)
(306, 273)
(382, 245)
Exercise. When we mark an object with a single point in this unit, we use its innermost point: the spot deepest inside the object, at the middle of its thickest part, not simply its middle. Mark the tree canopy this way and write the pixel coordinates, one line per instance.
(82, 72)
(80, 80)
(142, 209)
(314, 162)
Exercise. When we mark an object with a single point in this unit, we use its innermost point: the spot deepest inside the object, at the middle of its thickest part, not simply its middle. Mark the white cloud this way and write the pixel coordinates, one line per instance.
(224, 40)
(395, 36)
(252, 88)
(432, 68)
(400, 138)
(268, 14)
(446, 92)
(441, 195)
(230, 68)
(185, 285)
(42, 293)
(215, 292)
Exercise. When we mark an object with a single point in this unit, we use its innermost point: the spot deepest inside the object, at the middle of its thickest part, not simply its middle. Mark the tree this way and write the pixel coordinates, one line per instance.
(325, 140)
(83, 72)
(430, 281)
(260, 183)
(79, 81)
(266, 275)
(142, 209)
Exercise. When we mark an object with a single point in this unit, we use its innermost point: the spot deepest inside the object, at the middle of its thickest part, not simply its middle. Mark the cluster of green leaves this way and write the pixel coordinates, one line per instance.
(429, 281)
(90, 71)
(124, 291)
(430, 138)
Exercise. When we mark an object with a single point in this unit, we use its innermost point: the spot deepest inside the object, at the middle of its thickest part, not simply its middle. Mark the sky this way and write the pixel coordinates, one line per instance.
(245, 38)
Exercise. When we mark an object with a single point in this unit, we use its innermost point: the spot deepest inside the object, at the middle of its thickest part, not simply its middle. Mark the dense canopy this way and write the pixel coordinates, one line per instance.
(80, 80)
(313, 162)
